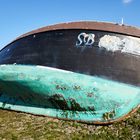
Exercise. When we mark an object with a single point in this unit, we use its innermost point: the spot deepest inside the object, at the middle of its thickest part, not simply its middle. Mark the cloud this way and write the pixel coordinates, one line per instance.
(127, 1)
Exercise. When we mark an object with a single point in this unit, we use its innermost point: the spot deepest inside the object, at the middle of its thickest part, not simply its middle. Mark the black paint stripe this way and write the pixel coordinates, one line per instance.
(58, 49)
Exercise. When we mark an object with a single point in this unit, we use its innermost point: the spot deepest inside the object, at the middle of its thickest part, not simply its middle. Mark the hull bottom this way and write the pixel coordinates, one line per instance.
(66, 95)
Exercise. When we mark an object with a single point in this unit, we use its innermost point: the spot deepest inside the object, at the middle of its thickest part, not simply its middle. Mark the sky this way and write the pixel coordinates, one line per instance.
(20, 16)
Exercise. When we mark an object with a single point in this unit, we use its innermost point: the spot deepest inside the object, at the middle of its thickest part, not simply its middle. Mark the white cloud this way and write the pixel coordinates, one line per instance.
(127, 1)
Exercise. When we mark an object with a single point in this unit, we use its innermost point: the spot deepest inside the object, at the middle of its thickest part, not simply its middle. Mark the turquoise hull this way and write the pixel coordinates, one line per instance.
(65, 95)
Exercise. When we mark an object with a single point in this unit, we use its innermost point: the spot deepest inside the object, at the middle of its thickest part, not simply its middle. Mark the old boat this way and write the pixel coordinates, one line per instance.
(83, 71)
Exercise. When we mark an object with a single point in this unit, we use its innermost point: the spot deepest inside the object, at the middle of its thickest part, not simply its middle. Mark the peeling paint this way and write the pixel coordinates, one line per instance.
(111, 43)
(126, 45)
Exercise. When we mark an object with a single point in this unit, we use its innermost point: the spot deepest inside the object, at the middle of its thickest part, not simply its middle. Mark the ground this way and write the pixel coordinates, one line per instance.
(22, 126)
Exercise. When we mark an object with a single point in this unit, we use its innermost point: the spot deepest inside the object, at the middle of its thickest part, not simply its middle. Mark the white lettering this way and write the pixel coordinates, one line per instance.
(85, 39)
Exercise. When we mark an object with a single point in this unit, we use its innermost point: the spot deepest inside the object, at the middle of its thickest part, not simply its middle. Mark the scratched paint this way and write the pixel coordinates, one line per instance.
(128, 44)
(63, 94)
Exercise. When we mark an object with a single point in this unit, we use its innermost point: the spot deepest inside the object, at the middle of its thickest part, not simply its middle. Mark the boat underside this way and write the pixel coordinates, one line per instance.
(67, 95)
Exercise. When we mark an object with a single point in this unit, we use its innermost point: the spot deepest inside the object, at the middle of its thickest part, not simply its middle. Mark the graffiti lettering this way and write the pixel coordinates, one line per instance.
(85, 39)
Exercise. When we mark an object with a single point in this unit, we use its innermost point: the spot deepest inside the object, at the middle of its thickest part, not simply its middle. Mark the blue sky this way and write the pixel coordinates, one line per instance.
(20, 16)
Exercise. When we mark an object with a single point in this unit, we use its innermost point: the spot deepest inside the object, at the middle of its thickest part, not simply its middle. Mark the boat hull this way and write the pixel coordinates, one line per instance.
(64, 94)
(96, 53)
(84, 71)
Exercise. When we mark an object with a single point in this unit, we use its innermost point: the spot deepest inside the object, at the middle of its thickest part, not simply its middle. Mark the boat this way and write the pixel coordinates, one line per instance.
(82, 71)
